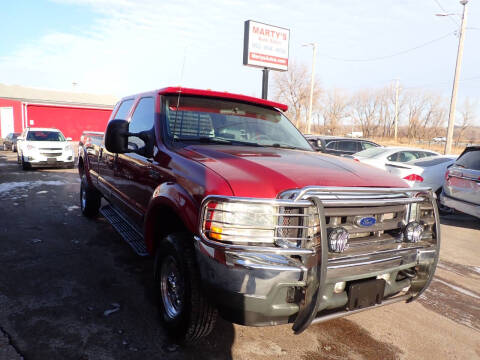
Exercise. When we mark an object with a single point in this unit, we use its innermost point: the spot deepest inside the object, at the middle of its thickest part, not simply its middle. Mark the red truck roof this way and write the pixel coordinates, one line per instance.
(223, 95)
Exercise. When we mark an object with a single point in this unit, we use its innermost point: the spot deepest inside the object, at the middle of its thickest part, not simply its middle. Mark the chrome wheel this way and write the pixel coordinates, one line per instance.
(171, 287)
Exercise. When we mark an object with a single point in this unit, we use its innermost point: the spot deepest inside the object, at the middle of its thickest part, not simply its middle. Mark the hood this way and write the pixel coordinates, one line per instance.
(265, 172)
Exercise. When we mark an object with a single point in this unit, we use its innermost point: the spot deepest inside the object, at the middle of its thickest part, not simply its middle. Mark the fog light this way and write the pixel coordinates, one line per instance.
(413, 232)
(338, 239)
(339, 287)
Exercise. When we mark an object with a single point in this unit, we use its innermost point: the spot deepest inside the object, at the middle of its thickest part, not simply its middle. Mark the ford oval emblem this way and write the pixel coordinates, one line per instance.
(366, 221)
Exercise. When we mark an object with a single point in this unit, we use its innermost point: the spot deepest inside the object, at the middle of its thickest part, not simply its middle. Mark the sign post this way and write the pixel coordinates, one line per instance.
(265, 46)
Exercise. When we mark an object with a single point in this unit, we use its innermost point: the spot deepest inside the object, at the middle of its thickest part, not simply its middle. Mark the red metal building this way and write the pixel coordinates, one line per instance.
(70, 112)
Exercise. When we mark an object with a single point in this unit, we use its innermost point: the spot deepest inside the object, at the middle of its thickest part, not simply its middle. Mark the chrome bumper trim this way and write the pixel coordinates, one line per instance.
(351, 312)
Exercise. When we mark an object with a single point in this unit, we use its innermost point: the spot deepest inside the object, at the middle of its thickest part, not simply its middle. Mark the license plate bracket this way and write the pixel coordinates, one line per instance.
(51, 160)
(363, 294)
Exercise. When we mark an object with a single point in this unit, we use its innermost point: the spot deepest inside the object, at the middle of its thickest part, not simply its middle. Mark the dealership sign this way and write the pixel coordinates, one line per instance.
(265, 46)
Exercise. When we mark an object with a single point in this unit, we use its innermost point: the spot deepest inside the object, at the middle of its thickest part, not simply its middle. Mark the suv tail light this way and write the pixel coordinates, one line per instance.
(413, 177)
(447, 174)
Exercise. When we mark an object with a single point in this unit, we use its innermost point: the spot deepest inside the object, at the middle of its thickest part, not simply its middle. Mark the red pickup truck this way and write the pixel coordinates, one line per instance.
(244, 219)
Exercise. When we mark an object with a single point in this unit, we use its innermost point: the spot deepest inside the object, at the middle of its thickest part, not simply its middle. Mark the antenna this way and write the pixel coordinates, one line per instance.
(179, 93)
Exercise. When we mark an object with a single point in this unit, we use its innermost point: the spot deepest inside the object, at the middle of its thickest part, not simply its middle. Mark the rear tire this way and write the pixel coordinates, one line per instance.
(442, 209)
(187, 314)
(90, 199)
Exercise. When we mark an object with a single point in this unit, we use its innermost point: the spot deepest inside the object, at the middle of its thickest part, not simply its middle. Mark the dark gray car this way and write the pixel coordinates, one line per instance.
(461, 190)
(10, 142)
(339, 145)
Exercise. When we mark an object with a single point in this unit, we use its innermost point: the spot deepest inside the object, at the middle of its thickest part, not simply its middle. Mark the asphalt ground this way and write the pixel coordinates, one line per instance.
(70, 288)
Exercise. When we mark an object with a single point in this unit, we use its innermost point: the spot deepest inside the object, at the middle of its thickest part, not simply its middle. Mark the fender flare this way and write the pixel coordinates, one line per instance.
(86, 166)
(175, 198)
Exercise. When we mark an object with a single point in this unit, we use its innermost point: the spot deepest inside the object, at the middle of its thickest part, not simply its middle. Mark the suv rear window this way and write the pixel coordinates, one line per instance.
(470, 159)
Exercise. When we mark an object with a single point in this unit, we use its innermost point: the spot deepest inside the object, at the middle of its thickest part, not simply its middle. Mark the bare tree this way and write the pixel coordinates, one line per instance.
(293, 88)
(364, 110)
(467, 117)
(334, 110)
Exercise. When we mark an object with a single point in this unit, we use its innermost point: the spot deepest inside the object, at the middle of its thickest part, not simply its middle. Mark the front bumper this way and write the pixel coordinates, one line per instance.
(37, 160)
(269, 286)
(462, 206)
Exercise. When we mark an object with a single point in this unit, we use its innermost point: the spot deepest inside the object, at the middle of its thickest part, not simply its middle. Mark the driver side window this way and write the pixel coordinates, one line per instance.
(142, 120)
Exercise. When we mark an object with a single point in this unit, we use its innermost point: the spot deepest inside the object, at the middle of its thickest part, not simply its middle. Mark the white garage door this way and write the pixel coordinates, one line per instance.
(6, 120)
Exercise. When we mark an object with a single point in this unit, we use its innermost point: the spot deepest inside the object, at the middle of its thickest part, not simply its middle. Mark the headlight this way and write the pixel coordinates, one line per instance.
(244, 223)
(31, 147)
(240, 222)
(68, 148)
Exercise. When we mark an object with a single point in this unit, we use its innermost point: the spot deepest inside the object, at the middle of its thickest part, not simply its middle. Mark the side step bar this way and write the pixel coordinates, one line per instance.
(126, 231)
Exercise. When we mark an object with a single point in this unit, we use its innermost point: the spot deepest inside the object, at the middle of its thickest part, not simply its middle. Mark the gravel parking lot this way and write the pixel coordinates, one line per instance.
(70, 288)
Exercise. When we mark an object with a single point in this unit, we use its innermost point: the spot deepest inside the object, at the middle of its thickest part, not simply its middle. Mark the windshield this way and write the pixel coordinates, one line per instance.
(371, 152)
(231, 123)
(45, 136)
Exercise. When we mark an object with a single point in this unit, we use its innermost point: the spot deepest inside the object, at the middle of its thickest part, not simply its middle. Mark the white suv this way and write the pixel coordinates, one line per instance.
(44, 147)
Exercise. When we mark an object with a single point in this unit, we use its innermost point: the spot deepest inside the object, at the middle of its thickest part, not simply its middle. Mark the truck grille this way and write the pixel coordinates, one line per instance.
(52, 154)
(391, 212)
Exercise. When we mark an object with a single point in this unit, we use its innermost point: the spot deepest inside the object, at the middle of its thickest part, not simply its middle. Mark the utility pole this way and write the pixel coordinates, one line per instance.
(397, 86)
(312, 81)
(453, 101)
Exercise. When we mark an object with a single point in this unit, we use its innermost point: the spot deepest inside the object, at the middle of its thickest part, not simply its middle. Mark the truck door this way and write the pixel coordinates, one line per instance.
(135, 177)
(107, 164)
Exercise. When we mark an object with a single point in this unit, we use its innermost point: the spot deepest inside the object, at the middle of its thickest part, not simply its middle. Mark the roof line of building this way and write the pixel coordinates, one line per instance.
(59, 103)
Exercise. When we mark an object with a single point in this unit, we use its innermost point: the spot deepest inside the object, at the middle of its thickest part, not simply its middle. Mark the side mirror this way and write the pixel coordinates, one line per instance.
(68, 139)
(19, 138)
(116, 136)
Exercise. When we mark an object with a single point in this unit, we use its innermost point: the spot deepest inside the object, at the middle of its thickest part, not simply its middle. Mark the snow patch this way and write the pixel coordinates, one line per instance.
(9, 186)
(71, 208)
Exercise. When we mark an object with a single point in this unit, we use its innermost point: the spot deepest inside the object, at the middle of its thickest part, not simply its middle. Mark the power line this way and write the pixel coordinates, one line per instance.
(391, 55)
(445, 11)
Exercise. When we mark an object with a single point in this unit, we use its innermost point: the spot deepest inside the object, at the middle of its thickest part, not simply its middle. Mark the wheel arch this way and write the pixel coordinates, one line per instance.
(171, 209)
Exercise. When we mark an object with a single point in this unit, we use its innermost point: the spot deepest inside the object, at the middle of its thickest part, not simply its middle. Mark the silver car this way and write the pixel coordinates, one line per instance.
(461, 190)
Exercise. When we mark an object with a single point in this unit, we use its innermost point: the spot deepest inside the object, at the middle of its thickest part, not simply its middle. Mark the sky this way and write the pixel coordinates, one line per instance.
(122, 47)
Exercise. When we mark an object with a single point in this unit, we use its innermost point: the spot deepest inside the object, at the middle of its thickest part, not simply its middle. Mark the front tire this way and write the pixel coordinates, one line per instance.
(187, 313)
(90, 199)
(25, 166)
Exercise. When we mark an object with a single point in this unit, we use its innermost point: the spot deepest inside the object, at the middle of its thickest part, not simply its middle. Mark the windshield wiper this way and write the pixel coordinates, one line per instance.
(284, 146)
(213, 140)
(206, 139)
